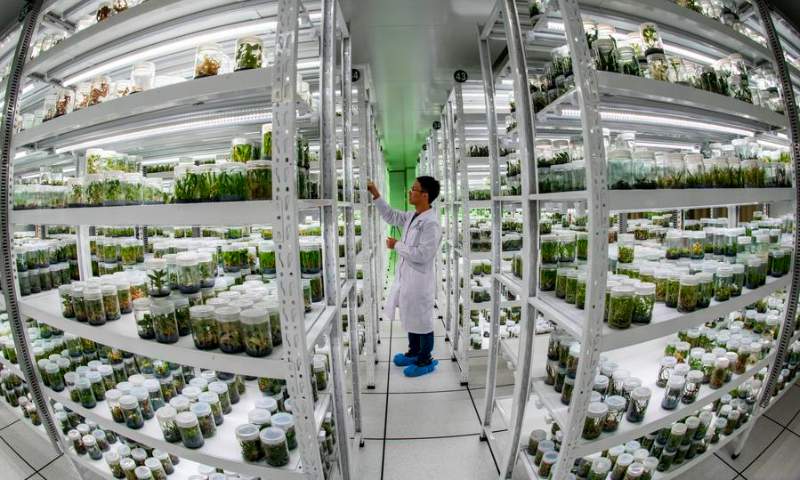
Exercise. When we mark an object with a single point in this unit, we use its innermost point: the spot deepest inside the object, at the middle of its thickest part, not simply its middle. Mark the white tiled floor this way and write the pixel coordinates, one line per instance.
(428, 428)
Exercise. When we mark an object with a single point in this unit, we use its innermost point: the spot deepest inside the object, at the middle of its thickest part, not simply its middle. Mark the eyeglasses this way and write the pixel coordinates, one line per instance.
(418, 190)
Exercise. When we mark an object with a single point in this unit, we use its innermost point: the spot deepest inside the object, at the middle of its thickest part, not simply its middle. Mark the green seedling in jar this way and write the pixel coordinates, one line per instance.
(248, 53)
(672, 289)
(231, 183)
(625, 253)
(249, 442)
(274, 443)
(164, 324)
(241, 152)
(205, 331)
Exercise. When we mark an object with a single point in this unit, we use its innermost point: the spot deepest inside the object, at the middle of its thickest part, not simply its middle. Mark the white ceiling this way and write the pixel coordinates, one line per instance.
(413, 47)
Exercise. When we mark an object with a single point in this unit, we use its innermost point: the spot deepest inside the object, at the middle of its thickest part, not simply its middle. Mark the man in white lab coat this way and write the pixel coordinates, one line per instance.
(414, 285)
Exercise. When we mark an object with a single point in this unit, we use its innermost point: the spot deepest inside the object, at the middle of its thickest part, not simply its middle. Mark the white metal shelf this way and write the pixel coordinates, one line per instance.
(676, 25)
(642, 361)
(665, 98)
(219, 450)
(511, 282)
(212, 213)
(665, 321)
(46, 307)
(666, 199)
(200, 95)
(139, 27)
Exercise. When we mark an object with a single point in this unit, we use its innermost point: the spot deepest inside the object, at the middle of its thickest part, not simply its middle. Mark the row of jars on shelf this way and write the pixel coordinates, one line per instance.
(92, 373)
(32, 253)
(210, 60)
(711, 357)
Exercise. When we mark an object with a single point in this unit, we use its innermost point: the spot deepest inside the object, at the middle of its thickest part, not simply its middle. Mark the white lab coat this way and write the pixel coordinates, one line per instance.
(414, 285)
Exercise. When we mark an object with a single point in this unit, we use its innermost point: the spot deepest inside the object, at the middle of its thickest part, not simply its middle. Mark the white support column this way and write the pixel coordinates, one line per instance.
(284, 193)
(465, 321)
(594, 152)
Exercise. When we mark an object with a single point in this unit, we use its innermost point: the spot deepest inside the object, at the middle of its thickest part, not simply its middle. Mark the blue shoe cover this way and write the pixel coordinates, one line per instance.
(417, 371)
(401, 360)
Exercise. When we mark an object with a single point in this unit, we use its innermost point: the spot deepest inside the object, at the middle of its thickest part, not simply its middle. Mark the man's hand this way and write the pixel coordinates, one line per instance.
(373, 190)
(390, 243)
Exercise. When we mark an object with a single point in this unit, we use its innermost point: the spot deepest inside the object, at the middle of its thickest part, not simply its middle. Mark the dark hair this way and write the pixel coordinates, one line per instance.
(430, 186)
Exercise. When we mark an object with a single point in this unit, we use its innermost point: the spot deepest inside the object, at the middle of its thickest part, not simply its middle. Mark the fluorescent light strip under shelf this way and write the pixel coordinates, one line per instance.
(260, 116)
(665, 121)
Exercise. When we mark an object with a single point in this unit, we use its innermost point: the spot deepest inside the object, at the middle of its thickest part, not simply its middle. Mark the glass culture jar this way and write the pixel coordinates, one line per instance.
(275, 445)
(672, 289)
(688, 293)
(144, 319)
(205, 419)
(706, 284)
(620, 311)
(311, 256)
(208, 60)
(256, 332)
(719, 373)
(723, 284)
(166, 420)
(241, 150)
(547, 278)
(110, 302)
(131, 411)
(189, 278)
(673, 392)
(285, 422)
(548, 247)
(616, 410)
(625, 248)
(165, 327)
(595, 418)
(249, 442)
(143, 76)
(644, 300)
(637, 406)
(249, 53)
(580, 293)
(546, 466)
(259, 180)
(691, 388)
(158, 277)
(189, 428)
(566, 247)
(571, 286)
(205, 331)
(93, 305)
(230, 329)
(620, 170)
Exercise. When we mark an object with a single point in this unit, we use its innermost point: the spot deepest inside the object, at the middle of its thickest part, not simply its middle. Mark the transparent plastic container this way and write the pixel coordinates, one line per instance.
(249, 53)
(205, 331)
(143, 76)
(209, 60)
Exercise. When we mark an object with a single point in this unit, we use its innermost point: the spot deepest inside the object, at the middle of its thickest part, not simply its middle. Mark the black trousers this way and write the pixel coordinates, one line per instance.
(420, 345)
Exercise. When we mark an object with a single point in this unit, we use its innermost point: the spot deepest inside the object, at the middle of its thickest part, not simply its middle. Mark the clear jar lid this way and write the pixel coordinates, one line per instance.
(689, 280)
(186, 419)
(267, 403)
(258, 416)
(201, 311)
(283, 420)
(91, 293)
(678, 429)
(676, 382)
(601, 465)
(721, 362)
(128, 402)
(227, 314)
(600, 381)
(597, 410)
(646, 288)
(640, 393)
(247, 432)
(272, 436)
(218, 387)
(162, 308)
(155, 264)
(200, 409)
(166, 413)
(616, 402)
(237, 140)
(622, 291)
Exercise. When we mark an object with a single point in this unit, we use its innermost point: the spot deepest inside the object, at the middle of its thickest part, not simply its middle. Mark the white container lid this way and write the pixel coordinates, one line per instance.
(272, 436)
(247, 432)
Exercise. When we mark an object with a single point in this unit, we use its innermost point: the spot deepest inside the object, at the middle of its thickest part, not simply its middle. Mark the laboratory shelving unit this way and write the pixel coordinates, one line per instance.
(166, 121)
(658, 110)
(466, 127)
